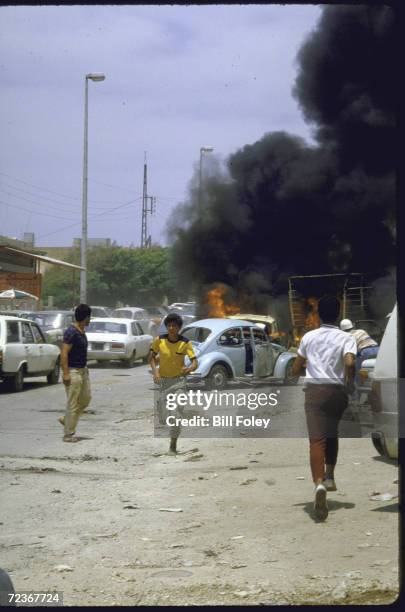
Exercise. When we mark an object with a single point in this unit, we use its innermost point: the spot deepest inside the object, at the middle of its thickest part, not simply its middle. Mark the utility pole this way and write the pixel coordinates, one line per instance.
(146, 240)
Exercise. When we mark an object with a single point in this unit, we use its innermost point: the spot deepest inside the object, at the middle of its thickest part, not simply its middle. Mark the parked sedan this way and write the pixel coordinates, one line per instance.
(137, 314)
(117, 339)
(25, 352)
(236, 349)
(100, 312)
(53, 323)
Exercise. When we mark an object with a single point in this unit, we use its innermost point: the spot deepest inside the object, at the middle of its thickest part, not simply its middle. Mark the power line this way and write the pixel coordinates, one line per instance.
(113, 186)
(79, 222)
(64, 204)
(104, 211)
(30, 211)
(78, 199)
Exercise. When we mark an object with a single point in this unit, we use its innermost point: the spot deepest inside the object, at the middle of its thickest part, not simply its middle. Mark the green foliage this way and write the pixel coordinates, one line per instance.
(115, 274)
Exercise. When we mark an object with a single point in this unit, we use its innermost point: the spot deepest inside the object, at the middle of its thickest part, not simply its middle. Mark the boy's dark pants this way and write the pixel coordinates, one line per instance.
(324, 407)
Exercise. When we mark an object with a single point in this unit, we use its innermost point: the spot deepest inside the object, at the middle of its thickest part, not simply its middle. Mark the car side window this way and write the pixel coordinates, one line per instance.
(38, 337)
(13, 335)
(134, 329)
(231, 337)
(140, 329)
(27, 336)
(246, 335)
(259, 336)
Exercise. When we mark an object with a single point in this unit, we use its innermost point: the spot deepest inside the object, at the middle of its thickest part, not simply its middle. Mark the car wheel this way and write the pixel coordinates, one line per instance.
(376, 440)
(289, 379)
(53, 377)
(130, 362)
(218, 377)
(16, 383)
(145, 360)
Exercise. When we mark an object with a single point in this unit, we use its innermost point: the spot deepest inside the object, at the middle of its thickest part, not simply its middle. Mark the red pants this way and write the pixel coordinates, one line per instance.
(324, 407)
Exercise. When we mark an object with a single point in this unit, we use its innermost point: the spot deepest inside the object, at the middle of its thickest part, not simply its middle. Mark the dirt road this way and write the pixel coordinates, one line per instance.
(113, 521)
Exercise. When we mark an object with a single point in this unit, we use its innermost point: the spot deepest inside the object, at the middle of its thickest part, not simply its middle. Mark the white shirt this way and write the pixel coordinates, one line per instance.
(324, 349)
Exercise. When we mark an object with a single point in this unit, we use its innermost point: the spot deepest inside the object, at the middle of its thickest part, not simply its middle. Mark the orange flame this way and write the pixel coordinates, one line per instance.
(216, 303)
(312, 321)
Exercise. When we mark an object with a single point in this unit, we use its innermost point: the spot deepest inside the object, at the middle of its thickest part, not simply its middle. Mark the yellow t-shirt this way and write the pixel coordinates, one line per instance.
(171, 354)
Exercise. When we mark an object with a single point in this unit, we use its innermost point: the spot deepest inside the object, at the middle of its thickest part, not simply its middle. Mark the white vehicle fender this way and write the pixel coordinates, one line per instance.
(207, 362)
(6, 364)
(282, 362)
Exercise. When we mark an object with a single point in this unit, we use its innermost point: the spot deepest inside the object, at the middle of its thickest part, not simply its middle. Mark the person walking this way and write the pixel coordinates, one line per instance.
(75, 373)
(329, 355)
(171, 349)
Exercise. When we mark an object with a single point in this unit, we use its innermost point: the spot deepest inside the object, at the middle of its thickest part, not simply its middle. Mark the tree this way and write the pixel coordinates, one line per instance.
(116, 274)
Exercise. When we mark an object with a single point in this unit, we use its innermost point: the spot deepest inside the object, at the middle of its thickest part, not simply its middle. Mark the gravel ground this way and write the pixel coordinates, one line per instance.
(112, 520)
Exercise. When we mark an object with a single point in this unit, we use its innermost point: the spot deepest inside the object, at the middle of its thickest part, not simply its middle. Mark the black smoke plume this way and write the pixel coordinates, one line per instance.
(284, 206)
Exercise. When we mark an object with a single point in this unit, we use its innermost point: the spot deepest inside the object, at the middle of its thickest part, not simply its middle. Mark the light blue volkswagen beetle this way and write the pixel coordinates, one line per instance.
(236, 350)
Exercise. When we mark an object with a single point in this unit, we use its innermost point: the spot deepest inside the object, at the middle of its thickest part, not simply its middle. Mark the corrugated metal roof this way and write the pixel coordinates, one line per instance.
(30, 255)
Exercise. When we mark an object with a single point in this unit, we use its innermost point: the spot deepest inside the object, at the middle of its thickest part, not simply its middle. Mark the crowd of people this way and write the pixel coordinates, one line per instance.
(332, 356)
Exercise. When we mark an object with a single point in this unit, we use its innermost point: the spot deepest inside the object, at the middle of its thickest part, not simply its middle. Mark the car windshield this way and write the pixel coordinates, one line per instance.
(196, 334)
(106, 327)
(47, 320)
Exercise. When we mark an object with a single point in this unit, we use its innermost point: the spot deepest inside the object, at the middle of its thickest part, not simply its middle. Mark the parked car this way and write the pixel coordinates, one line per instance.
(384, 392)
(100, 311)
(155, 313)
(53, 323)
(136, 314)
(236, 349)
(24, 352)
(185, 310)
(117, 339)
(21, 314)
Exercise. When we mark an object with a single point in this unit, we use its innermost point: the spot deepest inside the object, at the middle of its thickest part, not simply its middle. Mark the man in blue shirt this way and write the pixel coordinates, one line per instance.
(75, 373)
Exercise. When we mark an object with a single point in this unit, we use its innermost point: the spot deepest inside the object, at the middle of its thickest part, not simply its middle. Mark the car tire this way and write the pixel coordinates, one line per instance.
(376, 440)
(130, 362)
(218, 377)
(53, 377)
(16, 383)
(6, 589)
(289, 379)
(145, 360)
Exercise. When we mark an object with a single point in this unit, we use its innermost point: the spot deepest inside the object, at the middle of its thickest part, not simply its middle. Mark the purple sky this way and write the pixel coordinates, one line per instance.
(177, 78)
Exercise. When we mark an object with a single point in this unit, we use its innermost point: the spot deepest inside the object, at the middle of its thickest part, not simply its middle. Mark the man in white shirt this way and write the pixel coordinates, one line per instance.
(329, 354)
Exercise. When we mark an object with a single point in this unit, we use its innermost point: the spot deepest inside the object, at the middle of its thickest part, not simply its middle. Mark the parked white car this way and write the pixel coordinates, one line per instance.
(379, 382)
(24, 352)
(117, 339)
(384, 394)
(137, 314)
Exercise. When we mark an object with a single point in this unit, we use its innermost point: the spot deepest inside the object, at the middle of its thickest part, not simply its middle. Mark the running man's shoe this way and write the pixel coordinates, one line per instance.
(320, 505)
(330, 484)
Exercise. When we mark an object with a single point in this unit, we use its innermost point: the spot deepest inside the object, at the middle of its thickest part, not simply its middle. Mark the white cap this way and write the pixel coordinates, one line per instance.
(346, 324)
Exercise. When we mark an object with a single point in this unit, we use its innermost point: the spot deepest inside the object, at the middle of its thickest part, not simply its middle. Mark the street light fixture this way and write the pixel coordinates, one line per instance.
(96, 76)
(203, 150)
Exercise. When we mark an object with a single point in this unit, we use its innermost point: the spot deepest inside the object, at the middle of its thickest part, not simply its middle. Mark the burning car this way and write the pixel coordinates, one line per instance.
(236, 350)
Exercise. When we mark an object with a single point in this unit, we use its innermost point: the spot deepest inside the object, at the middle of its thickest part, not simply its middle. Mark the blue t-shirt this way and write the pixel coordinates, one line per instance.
(77, 357)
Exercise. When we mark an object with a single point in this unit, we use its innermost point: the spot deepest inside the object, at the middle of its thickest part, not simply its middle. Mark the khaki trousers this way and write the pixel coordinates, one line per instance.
(166, 386)
(78, 398)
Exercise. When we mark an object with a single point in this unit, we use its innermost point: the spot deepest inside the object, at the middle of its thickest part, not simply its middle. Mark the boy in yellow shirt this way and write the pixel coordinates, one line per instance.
(171, 348)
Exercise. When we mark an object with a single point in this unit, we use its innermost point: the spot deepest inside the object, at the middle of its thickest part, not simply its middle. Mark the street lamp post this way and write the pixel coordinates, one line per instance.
(83, 244)
(202, 151)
